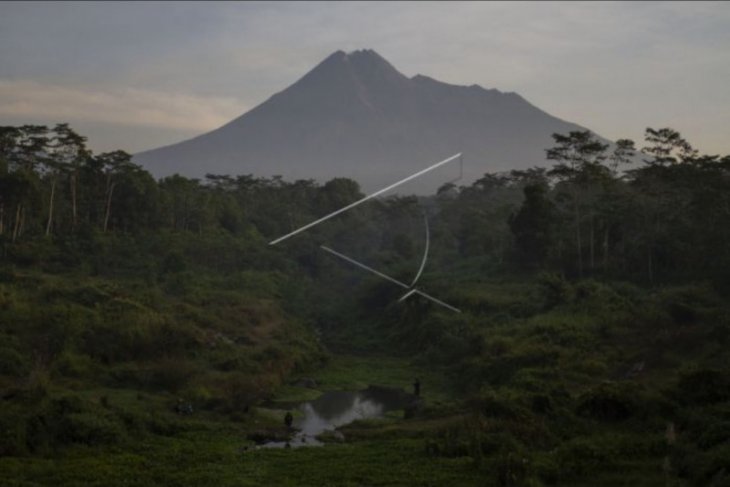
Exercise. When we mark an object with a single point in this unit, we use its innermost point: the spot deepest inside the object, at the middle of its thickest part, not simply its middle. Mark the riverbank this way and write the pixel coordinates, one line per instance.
(205, 452)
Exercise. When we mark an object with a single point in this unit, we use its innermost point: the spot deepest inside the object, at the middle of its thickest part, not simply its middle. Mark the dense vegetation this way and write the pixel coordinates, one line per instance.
(591, 344)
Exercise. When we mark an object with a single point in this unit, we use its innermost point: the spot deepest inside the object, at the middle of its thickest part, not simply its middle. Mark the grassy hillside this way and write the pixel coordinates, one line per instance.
(101, 358)
(147, 332)
(537, 382)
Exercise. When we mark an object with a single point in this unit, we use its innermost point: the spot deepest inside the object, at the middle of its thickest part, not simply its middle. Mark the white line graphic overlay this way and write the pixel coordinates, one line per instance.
(388, 278)
(363, 266)
(366, 198)
(425, 253)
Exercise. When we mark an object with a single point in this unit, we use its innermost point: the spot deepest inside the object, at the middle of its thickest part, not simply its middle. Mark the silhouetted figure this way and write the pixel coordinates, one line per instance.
(288, 419)
(417, 387)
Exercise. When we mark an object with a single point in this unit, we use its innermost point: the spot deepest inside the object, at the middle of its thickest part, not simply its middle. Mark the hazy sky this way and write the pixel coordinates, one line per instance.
(140, 75)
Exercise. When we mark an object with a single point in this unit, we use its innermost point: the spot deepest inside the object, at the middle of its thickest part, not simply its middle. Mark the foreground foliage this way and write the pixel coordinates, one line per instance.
(145, 326)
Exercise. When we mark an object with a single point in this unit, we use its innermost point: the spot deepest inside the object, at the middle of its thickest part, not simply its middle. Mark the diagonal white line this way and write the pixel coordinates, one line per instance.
(438, 301)
(363, 200)
(406, 295)
(363, 266)
(388, 278)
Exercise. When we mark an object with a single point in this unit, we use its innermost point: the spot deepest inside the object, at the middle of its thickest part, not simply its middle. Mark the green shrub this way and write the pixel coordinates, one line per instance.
(555, 289)
(174, 262)
(13, 434)
(714, 467)
(90, 428)
(546, 469)
(585, 455)
(608, 402)
(715, 434)
(511, 469)
(502, 404)
(688, 304)
(12, 362)
(239, 392)
(451, 442)
(168, 374)
(541, 404)
(232, 358)
(199, 396)
(503, 369)
(704, 386)
(71, 364)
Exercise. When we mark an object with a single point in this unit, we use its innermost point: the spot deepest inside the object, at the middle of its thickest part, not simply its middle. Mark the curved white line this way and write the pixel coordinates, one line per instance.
(410, 292)
(425, 252)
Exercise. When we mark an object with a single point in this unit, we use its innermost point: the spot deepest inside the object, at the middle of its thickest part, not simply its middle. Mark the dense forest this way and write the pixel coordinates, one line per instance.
(592, 342)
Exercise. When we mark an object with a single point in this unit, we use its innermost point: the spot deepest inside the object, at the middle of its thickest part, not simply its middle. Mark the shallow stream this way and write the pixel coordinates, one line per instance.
(338, 408)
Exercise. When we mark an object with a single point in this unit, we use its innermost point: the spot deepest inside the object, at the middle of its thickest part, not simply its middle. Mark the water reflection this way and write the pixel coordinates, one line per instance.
(338, 408)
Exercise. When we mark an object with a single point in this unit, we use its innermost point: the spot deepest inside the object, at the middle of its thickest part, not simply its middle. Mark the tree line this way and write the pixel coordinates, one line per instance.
(597, 211)
(653, 214)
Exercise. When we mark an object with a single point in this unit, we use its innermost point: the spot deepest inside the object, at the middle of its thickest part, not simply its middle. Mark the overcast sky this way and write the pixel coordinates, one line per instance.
(139, 75)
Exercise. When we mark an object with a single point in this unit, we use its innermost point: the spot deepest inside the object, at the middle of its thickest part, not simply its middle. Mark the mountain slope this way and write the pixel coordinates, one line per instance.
(354, 115)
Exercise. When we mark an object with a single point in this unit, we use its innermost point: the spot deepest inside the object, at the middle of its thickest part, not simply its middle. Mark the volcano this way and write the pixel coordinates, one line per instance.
(354, 115)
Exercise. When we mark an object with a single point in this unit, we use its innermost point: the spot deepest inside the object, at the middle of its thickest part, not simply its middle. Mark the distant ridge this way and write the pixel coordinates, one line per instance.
(354, 115)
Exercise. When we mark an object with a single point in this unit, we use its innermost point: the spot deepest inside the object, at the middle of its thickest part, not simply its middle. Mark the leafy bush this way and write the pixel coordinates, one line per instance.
(716, 433)
(607, 402)
(12, 362)
(239, 392)
(555, 289)
(585, 455)
(502, 404)
(704, 386)
(90, 428)
(688, 304)
(168, 374)
(71, 364)
(512, 468)
(13, 435)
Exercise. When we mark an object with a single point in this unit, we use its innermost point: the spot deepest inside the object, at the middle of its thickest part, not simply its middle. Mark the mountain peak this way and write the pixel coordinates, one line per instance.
(360, 59)
(365, 54)
(359, 55)
(361, 68)
(357, 116)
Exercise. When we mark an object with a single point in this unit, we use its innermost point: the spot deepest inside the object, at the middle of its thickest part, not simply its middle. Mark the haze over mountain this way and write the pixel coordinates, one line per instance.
(354, 115)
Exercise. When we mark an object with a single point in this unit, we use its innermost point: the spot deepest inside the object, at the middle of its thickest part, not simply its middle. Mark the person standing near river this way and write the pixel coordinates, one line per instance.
(288, 419)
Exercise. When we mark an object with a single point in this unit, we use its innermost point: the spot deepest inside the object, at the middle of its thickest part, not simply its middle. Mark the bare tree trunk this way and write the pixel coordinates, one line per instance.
(50, 207)
(108, 206)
